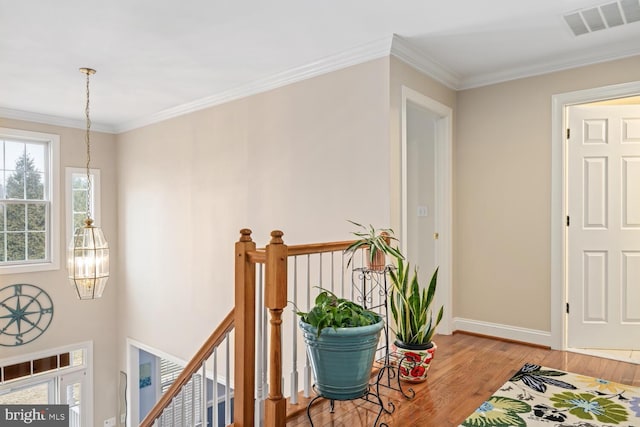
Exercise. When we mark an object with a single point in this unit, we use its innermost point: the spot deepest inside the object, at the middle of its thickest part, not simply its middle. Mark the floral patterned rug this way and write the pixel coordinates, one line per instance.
(539, 396)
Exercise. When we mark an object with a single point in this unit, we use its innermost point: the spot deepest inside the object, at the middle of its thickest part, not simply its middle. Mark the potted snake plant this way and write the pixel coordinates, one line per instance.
(377, 243)
(411, 308)
(341, 338)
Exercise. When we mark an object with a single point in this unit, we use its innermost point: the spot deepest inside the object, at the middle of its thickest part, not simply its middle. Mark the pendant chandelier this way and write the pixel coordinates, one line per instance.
(88, 258)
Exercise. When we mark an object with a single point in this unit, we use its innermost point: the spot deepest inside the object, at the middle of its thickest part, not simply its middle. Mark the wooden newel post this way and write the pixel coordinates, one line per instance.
(276, 301)
(245, 332)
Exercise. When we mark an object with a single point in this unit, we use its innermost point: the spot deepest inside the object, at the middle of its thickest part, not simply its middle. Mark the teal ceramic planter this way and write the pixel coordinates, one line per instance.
(341, 359)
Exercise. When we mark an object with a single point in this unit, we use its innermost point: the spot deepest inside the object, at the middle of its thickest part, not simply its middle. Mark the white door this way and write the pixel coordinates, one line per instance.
(603, 209)
(72, 393)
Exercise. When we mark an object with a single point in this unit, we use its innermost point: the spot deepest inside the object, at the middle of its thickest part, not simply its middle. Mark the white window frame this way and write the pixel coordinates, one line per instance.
(94, 177)
(82, 373)
(53, 191)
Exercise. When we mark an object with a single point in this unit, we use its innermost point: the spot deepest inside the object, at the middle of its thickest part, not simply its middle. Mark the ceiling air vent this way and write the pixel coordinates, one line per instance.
(605, 16)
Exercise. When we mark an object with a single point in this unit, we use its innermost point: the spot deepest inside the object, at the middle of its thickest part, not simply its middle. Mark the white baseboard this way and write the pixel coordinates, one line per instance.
(497, 330)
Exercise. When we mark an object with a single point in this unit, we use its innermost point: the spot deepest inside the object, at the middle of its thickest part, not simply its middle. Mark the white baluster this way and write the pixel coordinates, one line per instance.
(227, 388)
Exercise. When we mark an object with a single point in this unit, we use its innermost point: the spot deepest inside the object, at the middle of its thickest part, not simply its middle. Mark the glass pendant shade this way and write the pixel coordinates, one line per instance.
(88, 261)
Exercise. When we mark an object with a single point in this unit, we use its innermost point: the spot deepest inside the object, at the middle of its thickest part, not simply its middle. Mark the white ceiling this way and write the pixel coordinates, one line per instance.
(159, 58)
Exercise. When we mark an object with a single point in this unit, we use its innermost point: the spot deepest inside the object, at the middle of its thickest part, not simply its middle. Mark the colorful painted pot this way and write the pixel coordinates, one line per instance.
(415, 360)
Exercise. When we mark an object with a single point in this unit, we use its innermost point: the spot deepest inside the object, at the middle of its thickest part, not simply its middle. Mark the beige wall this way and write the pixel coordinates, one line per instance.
(503, 193)
(77, 321)
(302, 158)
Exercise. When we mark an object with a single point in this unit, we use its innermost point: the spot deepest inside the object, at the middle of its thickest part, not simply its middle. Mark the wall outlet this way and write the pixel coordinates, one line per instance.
(111, 422)
(423, 211)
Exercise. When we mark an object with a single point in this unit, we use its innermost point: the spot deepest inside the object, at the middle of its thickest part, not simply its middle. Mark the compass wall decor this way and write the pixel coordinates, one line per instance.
(25, 313)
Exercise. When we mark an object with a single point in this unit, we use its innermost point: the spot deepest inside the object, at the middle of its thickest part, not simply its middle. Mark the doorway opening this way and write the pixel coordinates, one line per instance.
(578, 291)
(426, 180)
(61, 375)
(152, 372)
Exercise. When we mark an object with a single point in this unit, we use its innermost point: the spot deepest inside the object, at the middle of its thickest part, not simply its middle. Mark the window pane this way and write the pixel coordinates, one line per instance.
(45, 364)
(71, 397)
(18, 370)
(15, 217)
(37, 217)
(14, 150)
(80, 200)
(15, 184)
(77, 358)
(38, 394)
(3, 236)
(15, 247)
(37, 153)
(2, 217)
(35, 185)
(78, 220)
(79, 182)
(36, 246)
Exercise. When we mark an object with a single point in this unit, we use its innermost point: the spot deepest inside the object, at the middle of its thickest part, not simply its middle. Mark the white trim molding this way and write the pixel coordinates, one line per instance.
(356, 55)
(541, 68)
(513, 333)
(403, 50)
(393, 45)
(49, 119)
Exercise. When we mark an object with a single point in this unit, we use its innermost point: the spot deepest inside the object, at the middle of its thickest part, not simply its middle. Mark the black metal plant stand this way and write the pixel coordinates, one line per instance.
(368, 284)
(372, 396)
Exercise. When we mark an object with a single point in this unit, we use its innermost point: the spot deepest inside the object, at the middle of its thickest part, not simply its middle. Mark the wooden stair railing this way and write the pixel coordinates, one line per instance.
(242, 319)
(192, 367)
(274, 256)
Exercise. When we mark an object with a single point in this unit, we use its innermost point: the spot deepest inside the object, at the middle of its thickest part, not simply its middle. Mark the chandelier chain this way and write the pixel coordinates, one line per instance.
(88, 143)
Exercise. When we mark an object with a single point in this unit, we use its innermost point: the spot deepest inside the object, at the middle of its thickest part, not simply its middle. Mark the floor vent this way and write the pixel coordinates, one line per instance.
(608, 15)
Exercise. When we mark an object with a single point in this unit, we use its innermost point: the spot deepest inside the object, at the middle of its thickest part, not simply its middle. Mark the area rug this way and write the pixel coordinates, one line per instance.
(539, 396)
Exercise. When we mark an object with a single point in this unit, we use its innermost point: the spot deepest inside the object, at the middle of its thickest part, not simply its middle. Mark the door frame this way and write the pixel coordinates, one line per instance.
(133, 376)
(559, 193)
(443, 198)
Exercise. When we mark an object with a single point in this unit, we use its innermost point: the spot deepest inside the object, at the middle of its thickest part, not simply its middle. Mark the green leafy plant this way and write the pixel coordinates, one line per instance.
(411, 306)
(377, 240)
(334, 312)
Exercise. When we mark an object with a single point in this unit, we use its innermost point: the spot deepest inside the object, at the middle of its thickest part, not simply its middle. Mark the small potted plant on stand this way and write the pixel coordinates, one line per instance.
(414, 323)
(341, 338)
(377, 242)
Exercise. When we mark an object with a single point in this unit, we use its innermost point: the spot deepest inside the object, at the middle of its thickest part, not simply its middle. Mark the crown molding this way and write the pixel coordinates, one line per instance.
(357, 55)
(394, 45)
(546, 68)
(404, 51)
(47, 119)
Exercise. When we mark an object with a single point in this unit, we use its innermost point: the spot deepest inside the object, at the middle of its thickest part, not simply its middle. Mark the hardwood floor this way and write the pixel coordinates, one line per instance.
(466, 370)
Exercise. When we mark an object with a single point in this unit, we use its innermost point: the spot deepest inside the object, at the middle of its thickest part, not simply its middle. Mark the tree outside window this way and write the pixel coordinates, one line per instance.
(24, 208)
(77, 193)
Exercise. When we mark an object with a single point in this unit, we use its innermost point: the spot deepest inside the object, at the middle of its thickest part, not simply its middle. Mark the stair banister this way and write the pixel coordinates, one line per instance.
(192, 367)
(245, 332)
(275, 301)
(242, 320)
